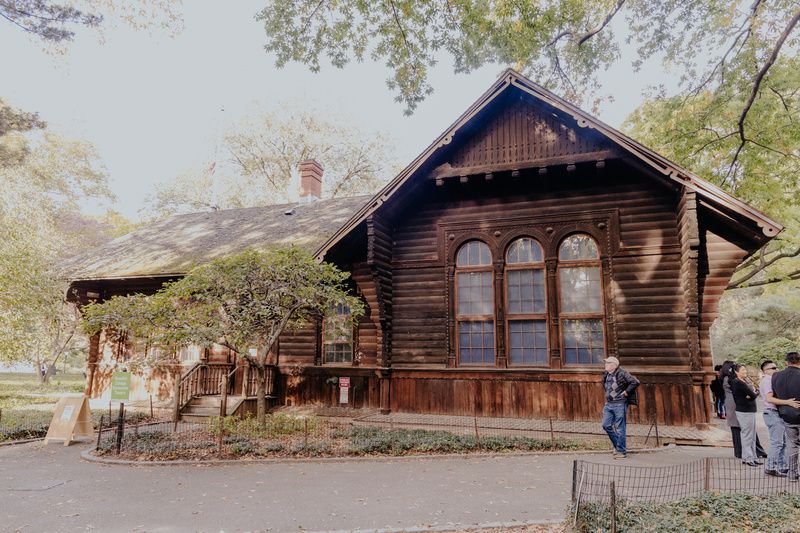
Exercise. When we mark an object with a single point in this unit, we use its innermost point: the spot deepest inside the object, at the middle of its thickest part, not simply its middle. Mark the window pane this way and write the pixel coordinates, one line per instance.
(338, 335)
(527, 341)
(475, 293)
(580, 290)
(578, 247)
(524, 250)
(473, 253)
(476, 342)
(526, 291)
(583, 341)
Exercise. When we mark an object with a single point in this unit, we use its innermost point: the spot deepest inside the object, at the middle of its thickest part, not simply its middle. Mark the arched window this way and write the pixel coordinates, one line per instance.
(337, 335)
(474, 304)
(581, 301)
(526, 304)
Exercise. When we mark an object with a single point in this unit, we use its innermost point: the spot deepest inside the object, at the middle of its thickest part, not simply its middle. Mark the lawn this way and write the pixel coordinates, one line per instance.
(23, 404)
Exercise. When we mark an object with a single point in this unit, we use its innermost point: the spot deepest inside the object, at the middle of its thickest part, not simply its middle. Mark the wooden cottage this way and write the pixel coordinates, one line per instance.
(524, 245)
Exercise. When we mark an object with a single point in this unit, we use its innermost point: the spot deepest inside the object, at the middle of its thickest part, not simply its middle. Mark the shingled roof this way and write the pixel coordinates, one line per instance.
(173, 246)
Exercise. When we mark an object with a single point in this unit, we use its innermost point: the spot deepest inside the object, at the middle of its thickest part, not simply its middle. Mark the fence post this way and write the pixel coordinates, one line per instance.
(707, 475)
(221, 439)
(151, 407)
(552, 437)
(574, 478)
(1, 415)
(477, 436)
(305, 435)
(99, 433)
(613, 508)
(223, 404)
(176, 393)
(120, 426)
(658, 441)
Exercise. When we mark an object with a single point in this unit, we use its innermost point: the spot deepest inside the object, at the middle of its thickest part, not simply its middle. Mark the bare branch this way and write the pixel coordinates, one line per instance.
(763, 72)
(762, 265)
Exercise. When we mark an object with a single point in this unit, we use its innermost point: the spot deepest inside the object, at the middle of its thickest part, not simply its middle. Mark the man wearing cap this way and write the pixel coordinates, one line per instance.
(620, 388)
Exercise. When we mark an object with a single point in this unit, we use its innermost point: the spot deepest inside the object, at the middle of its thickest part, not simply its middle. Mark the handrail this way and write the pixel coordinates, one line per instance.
(188, 385)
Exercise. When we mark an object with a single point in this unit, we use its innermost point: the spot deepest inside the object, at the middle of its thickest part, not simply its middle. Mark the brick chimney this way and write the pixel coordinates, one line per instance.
(310, 180)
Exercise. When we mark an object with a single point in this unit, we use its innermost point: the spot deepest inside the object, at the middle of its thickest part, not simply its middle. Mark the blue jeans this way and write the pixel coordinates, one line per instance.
(777, 440)
(615, 422)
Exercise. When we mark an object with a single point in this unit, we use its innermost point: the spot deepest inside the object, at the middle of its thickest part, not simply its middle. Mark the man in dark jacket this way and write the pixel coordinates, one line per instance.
(620, 391)
(786, 386)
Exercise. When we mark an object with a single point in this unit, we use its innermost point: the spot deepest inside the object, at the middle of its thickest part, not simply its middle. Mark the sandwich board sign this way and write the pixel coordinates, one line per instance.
(120, 386)
(71, 418)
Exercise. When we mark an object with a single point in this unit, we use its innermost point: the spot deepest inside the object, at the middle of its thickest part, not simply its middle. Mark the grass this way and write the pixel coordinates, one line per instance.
(21, 393)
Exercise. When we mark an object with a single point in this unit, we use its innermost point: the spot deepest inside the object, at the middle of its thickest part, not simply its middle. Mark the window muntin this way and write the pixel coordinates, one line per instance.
(337, 335)
(526, 303)
(475, 302)
(583, 341)
(473, 254)
(578, 247)
(581, 301)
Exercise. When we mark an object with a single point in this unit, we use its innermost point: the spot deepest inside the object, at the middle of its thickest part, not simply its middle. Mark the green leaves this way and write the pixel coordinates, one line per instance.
(243, 301)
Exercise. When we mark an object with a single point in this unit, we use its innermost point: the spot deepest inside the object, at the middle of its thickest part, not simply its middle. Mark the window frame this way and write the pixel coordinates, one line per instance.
(498, 232)
(562, 315)
(512, 317)
(458, 319)
(324, 343)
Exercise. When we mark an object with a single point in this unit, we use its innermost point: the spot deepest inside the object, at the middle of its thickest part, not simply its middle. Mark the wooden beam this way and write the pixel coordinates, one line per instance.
(449, 171)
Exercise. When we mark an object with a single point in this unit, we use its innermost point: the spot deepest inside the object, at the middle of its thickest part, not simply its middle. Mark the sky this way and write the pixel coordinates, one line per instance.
(156, 105)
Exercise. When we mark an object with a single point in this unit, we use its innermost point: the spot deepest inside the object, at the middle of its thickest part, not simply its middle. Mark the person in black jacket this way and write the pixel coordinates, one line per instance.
(718, 393)
(730, 412)
(744, 397)
(786, 386)
(620, 390)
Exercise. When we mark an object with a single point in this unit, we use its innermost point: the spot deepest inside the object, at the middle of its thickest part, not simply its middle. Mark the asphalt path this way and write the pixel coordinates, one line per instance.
(50, 489)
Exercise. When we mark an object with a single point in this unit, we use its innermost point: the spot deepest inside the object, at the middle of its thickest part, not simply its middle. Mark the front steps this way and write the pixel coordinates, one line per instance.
(201, 408)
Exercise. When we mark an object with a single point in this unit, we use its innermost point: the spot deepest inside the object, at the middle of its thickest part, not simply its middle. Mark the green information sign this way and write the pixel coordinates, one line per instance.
(120, 386)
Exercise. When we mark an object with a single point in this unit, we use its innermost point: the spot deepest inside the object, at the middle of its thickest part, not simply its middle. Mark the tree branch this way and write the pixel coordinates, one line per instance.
(591, 33)
(763, 72)
(763, 264)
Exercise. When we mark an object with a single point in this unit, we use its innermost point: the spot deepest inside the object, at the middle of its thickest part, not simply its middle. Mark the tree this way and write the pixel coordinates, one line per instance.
(701, 132)
(40, 188)
(757, 324)
(242, 301)
(54, 23)
(734, 65)
(260, 155)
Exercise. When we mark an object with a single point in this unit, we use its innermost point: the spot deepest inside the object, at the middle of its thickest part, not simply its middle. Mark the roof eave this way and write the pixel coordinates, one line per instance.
(769, 227)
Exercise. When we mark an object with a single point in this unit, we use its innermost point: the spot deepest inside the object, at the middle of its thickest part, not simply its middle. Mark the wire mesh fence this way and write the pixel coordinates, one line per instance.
(602, 491)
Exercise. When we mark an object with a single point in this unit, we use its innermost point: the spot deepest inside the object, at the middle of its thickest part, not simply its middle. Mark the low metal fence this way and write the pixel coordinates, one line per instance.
(607, 488)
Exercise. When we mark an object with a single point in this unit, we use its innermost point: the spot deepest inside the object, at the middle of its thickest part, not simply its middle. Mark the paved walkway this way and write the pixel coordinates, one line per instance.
(48, 488)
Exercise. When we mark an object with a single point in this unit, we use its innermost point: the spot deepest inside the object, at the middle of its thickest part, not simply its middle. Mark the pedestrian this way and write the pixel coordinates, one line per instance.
(730, 413)
(776, 462)
(744, 396)
(718, 393)
(620, 391)
(786, 386)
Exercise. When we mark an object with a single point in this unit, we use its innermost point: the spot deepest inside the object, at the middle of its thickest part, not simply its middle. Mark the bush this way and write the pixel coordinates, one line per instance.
(708, 512)
(313, 449)
(272, 447)
(242, 447)
(276, 425)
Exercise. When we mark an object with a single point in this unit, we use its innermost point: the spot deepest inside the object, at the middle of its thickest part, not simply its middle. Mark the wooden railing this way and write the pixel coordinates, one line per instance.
(203, 379)
(250, 385)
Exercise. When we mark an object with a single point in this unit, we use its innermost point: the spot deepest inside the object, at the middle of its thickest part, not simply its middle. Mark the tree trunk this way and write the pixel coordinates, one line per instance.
(261, 396)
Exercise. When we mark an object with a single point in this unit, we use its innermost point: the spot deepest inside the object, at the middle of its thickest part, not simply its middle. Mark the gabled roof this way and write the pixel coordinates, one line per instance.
(175, 245)
(511, 79)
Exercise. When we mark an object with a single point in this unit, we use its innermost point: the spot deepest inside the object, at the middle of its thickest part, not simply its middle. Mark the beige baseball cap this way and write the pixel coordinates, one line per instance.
(611, 360)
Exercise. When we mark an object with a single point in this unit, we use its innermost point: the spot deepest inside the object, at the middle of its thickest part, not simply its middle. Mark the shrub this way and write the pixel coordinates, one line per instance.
(313, 449)
(272, 447)
(707, 512)
(242, 447)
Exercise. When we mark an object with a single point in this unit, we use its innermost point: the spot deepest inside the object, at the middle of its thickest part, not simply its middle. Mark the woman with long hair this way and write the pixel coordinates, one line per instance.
(744, 396)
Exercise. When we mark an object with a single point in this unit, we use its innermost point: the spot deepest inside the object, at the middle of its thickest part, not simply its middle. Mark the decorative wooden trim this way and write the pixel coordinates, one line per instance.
(689, 235)
(549, 231)
(379, 260)
(447, 171)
